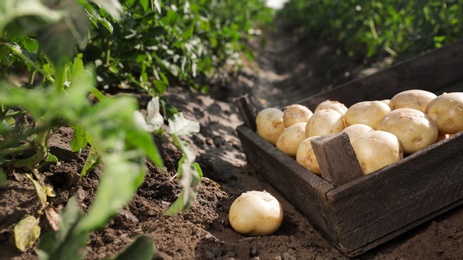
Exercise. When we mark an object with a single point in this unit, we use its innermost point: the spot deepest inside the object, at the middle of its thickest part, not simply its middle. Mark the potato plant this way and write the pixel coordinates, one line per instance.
(44, 42)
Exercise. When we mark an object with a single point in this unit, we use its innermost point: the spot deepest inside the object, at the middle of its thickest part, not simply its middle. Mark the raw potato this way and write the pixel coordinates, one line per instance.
(306, 157)
(413, 98)
(413, 128)
(255, 213)
(325, 122)
(377, 149)
(269, 124)
(356, 130)
(366, 112)
(329, 104)
(296, 114)
(290, 139)
(447, 111)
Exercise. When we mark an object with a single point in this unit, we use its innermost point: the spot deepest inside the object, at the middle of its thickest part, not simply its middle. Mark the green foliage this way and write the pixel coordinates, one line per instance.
(188, 42)
(373, 29)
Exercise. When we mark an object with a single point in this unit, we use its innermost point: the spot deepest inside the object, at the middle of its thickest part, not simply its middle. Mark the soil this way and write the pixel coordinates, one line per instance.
(286, 70)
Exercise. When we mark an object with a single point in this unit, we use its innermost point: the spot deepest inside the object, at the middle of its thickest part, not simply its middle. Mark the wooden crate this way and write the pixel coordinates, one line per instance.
(372, 209)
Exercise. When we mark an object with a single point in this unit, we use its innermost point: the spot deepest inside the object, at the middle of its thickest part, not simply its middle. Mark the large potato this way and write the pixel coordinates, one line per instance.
(413, 98)
(255, 213)
(413, 128)
(356, 130)
(324, 122)
(296, 114)
(377, 149)
(447, 111)
(290, 139)
(366, 112)
(269, 124)
(330, 104)
(305, 156)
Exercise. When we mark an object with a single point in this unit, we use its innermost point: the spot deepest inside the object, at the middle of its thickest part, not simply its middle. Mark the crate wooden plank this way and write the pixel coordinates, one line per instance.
(432, 71)
(336, 158)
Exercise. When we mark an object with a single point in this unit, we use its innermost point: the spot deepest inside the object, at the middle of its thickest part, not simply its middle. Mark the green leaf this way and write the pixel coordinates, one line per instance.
(177, 206)
(181, 126)
(79, 138)
(24, 17)
(142, 248)
(26, 232)
(144, 4)
(2, 178)
(39, 188)
(144, 142)
(67, 242)
(157, 4)
(93, 158)
(119, 181)
(113, 7)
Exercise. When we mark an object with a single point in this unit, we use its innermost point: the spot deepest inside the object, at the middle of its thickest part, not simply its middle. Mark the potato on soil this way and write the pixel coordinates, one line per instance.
(296, 114)
(413, 128)
(377, 149)
(412, 98)
(305, 156)
(255, 213)
(366, 112)
(269, 124)
(324, 122)
(447, 111)
(330, 104)
(356, 130)
(290, 139)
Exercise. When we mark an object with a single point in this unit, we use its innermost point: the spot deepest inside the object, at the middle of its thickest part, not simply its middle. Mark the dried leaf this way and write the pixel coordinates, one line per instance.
(52, 218)
(26, 232)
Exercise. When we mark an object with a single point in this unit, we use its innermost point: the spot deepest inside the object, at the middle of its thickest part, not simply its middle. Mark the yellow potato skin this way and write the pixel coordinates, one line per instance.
(255, 213)
(446, 111)
(290, 138)
(325, 122)
(332, 104)
(413, 128)
(269, 124)
(377, 149)
(356, 130)
(366, 112)
(413, 98)
(296, 113)
(305, 156)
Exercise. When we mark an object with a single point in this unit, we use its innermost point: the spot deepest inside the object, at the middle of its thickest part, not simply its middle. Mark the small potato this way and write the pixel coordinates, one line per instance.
(324, 122)
(296, 114)
(377, 149)
(269, 124)
(413, 98)
(447, 111)
(413, 128)
(255, 213)
(356, 130)
(329, 104)
(290, 139)
(366, 112)
(386, 101)
(306, 157)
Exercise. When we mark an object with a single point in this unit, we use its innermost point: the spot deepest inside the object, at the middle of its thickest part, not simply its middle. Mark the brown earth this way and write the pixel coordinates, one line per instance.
(288, 69)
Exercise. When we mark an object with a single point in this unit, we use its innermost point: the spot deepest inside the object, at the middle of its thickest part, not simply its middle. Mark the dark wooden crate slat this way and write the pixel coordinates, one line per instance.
(303, 189)
(336, 158)
(364, 207)
(434, 70)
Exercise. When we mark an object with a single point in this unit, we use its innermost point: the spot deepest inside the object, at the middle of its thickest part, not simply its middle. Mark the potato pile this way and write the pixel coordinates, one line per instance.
(381, 132)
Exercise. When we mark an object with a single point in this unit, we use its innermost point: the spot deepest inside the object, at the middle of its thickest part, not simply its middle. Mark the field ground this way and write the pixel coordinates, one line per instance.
(286, 70)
